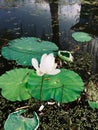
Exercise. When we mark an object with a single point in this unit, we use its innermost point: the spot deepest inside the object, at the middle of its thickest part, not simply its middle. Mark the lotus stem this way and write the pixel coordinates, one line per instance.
(41, 88)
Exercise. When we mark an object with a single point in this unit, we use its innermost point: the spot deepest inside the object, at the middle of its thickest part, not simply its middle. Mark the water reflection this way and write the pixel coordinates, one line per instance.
(92, 48)
(49, 20)
(55, 22)
(88, 19)
(89, 23)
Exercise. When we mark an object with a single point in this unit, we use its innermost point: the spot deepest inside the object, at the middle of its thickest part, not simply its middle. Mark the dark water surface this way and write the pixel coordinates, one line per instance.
(48, 20)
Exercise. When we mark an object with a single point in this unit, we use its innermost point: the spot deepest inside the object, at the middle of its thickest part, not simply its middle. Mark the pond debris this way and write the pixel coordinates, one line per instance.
(24, 107)
(41, 108)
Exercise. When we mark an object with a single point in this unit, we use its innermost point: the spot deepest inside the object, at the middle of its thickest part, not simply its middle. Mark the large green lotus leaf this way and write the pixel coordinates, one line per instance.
(24, 49)
(63, 87)
(81, 37)
(15, 121)
(93, 104)
(13, 84)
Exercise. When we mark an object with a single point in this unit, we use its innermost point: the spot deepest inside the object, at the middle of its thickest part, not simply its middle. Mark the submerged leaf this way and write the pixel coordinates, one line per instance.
(92, 92)
(17, 122)
(93, 104)
(63, 87)
(24, 49)
(14, 84)
(92, 95)
(81, 36)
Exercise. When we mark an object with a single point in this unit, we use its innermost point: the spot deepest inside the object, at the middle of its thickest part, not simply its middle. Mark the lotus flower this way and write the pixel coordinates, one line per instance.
(47, 65)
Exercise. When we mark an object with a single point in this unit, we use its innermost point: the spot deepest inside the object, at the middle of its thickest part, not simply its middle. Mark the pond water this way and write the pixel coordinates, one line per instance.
(48, 20)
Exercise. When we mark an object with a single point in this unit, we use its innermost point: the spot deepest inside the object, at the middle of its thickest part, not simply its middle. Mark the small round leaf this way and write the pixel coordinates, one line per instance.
(81, 36)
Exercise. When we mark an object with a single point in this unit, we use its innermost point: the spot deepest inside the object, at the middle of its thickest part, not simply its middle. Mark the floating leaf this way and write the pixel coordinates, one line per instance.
(24, 49)
(65, 56)
(13, 84)
(63, 87)
(17, 122)
(81, 37)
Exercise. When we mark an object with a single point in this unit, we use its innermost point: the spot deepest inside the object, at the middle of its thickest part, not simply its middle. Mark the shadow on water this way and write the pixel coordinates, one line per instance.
(53, 20)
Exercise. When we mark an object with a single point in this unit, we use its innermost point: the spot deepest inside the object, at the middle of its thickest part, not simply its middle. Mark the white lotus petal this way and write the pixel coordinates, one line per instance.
(52, 68)
(43, 58)
(39, 73)
(55, 71)
(35, 63)
(48, 63)
(55, 65)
